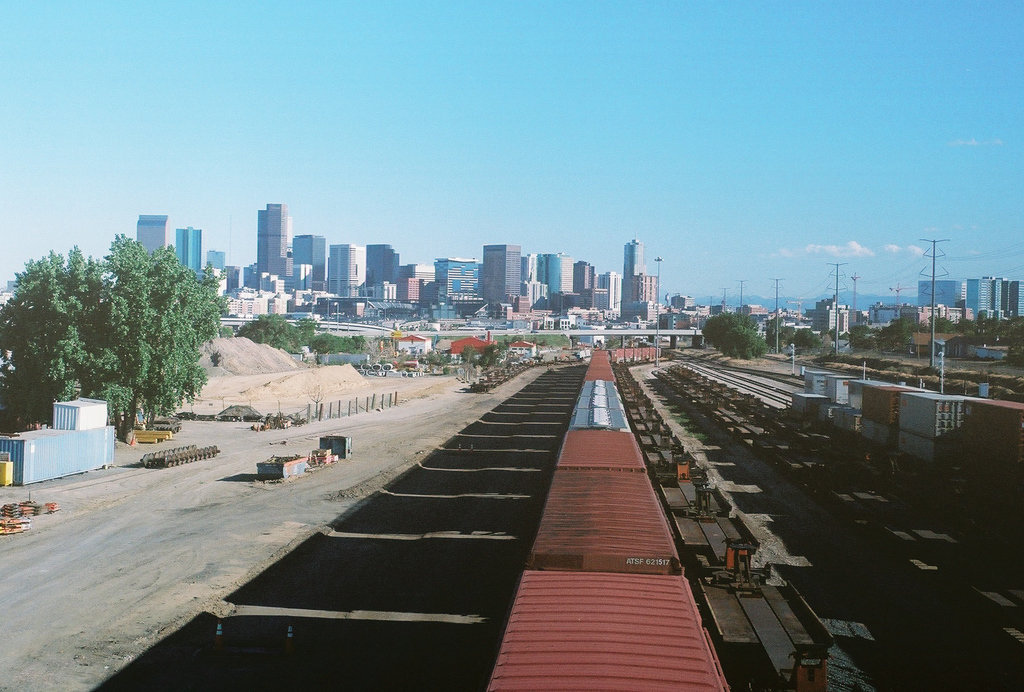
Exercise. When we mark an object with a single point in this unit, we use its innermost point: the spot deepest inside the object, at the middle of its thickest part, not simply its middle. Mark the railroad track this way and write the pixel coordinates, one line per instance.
(775, 395)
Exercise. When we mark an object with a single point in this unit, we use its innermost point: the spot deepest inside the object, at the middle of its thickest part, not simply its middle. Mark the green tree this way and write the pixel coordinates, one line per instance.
(805, 339)
(45, 329)
(272, 330)
(735, 336)
(896, 335)
(127, 330)
(862, 337)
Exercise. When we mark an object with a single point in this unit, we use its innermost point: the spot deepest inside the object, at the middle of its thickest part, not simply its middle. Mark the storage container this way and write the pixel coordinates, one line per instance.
(930, 449)
(807, 405)
(40, 455)
(929, 414)
(848, 418)
(814, 381)
(80, 414)
(855, 390)
(994, 432)
(837, 388)
(882, 403)
(337, 444)
(275, 469)
(879, 433)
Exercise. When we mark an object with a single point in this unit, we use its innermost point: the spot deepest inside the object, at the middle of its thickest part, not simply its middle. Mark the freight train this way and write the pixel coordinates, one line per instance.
(603, 602)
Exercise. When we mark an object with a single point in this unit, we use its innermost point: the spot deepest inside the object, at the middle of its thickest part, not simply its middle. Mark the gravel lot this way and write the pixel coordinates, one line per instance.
(136, 552)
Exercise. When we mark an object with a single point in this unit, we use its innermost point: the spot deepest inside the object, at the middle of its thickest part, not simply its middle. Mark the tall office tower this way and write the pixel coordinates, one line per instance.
(632, 265)
(645, 288)
(346, 270)
(188, 245)
(499, 275)
(457, 278)
(312, 250)
(424, 272)
(582, 277)
(218, 259)
(381, 265)
(273, 236)
(151, 231)
(555, 272)
(612, 282)
(948, 293)
(234, 277)
(528, 268)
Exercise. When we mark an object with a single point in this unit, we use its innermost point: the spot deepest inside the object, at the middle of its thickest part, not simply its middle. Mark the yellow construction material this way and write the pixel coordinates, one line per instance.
(150, 436)
(6, 473)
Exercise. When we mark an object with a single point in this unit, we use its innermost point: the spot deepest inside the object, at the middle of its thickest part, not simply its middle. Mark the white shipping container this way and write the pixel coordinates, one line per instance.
(837, 389)
(814, 381)
(928, 414)
(80, 414)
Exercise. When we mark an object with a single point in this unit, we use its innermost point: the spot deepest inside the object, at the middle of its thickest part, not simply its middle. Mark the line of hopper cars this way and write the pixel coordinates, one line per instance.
(603, 602)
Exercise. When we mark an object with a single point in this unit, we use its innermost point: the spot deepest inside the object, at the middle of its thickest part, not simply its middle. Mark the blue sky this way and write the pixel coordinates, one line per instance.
(740, 141)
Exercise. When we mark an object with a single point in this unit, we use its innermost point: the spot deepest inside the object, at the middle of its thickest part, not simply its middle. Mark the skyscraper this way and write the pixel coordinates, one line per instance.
(151, 231)
(500, 273)
(273, 236)
(188, 245)
(346, 270)
(381, 265)
(218, 259)
(632, 266)
(582, 277)
(457, 278)
(612, 282)
(555, 272)
(312, 250)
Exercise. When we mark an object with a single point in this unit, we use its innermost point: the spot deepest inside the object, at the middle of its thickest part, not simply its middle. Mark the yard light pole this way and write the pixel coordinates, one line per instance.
(657, 317)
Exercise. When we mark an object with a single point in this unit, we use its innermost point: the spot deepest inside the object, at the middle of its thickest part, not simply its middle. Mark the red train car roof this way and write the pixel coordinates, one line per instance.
(600, 631)
(601, 521)
(601, 449)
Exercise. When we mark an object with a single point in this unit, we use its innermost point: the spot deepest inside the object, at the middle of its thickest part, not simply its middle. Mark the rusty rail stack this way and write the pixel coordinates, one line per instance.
(178, 456)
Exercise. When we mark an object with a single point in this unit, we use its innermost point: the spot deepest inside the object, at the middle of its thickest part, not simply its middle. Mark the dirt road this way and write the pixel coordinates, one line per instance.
(133, 551)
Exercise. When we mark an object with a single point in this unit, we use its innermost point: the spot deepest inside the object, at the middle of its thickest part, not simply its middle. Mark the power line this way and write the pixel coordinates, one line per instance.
(931, 354)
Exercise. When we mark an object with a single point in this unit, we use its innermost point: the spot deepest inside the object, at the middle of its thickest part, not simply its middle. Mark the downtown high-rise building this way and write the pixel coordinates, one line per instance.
(500, 273)
(633, 265)
(381, 265)
(346, 270)
(457, 279)
(273, 237)
(151, 231)
(611, 283)
(311, 250)
(555, 272)
(217, 259)
(188, 246)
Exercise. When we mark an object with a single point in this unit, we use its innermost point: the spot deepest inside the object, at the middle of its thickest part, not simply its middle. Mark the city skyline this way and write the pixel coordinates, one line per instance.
(739, 142)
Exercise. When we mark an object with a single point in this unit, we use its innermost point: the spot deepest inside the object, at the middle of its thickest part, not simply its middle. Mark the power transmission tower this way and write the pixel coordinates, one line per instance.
(835, 303)
(725, 292)
(933, 255)
(778, 322)
(741, 282)
(854, 279)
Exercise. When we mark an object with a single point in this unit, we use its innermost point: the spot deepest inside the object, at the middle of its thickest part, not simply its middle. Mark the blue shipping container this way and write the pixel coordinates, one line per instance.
(40, 455)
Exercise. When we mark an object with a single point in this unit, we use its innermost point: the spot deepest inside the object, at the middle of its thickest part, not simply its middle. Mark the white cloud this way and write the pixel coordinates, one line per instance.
(893, 249)
(915, 250)
(851, 249)
(972, 142)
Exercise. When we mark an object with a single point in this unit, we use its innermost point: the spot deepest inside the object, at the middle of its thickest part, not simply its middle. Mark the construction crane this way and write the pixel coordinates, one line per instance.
(897, 290)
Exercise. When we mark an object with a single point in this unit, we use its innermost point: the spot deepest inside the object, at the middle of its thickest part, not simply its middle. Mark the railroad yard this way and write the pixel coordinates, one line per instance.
(814, 562)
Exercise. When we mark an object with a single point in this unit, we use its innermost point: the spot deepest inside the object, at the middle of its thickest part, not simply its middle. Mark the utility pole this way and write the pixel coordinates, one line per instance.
(741, 282)
(835, 303)
(854, 279)
(725, 292)
(657, 317)
(934, 253)
(778, 322)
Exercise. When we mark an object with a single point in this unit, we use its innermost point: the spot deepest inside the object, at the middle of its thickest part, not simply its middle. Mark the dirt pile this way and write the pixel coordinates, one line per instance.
(312, 383)
(241, 356)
